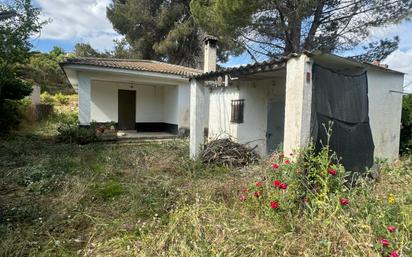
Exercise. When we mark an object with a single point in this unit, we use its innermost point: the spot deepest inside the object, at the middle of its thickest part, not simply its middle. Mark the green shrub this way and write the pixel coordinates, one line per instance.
(312, 180)
(62, 99)
(46, 98)
(11, 114)
(406, 131)
(69, 131)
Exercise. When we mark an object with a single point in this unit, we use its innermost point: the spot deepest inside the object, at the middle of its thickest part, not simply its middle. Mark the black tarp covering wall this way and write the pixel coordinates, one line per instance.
(343, 100)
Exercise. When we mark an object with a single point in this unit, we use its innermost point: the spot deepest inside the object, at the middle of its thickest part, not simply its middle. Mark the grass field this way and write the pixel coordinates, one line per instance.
(149, 199)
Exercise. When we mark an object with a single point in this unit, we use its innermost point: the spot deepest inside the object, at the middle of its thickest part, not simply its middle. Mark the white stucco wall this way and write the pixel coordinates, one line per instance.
(385, 110)
(164, 103)
(253, 130)
(84, 89)
(183, 115)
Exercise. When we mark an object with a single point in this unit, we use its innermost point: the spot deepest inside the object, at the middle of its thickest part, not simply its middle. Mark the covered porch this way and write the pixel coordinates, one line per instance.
(152, 97)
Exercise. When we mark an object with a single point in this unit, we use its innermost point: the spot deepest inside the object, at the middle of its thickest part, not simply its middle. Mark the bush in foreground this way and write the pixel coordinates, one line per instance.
(69, 131)
(295, 206)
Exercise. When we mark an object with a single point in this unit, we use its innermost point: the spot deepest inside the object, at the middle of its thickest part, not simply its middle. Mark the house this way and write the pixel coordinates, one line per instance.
(137, 95)
(284, 103)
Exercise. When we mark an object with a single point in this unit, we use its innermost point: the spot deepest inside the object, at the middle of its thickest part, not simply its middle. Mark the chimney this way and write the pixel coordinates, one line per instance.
(210, 55)
(378, 63)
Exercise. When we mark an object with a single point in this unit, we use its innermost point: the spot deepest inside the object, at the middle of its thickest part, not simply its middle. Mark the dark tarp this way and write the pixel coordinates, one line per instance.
(342, 99)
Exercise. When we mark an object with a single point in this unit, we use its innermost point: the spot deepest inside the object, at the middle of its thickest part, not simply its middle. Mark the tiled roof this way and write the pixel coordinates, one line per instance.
(138, 65)
(274, 64)
(280, 63)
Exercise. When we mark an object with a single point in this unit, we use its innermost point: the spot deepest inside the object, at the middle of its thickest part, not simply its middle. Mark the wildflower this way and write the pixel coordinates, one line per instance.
(283, 186)
(287, 161)
(391, 228)
(259, 184)
(305, 200)
(274, 205)
(391, 199)
(344, 201)
(332, 172)
(394, 254)
(276, 183)
(245, 190)
(384, 242)
(256, 194)
(243, 198)
(275, 166)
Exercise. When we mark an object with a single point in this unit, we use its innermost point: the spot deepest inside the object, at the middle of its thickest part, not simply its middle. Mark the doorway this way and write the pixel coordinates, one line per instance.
(275, 124)
(127, 109)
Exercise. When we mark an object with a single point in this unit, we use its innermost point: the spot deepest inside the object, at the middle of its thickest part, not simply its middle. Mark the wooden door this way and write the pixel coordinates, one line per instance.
(127, 109)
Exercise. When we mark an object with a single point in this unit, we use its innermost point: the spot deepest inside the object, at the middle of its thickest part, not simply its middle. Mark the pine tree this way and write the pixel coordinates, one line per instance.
(161, 30)
(279, 27)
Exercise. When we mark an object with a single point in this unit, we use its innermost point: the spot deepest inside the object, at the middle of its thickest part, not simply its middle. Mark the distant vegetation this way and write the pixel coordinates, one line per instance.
(406, 131)
(43, 69)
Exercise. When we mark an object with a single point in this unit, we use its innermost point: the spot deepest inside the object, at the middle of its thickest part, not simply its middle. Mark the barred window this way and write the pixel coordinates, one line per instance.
(238, 107)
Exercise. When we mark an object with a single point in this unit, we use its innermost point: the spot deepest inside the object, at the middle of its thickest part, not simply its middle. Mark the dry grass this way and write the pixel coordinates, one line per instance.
(150, 200)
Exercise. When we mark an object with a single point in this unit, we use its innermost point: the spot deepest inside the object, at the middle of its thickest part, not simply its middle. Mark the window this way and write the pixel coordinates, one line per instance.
(237, 111)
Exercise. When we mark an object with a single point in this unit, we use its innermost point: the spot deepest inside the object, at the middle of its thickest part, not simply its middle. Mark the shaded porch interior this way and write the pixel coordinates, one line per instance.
(153, 108)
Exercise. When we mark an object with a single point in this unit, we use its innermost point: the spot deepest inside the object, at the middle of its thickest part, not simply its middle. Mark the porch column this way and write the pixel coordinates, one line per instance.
(84, 99)
(197, 109)
(298, 103)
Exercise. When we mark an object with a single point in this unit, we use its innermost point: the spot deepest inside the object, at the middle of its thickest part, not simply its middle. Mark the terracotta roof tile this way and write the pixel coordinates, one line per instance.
(138, 65)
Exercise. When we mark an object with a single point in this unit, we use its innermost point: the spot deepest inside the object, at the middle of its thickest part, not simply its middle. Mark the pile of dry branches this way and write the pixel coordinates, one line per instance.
(227, 153)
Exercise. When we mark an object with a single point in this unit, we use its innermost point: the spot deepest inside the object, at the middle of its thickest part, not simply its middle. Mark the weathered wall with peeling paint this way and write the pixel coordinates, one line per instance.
(256, 95)
(385, 110)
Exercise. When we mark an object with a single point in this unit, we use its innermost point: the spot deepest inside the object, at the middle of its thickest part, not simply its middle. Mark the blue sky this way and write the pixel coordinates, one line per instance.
(72, 21)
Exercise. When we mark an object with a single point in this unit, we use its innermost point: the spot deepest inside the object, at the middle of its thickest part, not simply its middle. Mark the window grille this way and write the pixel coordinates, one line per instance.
(238, 107)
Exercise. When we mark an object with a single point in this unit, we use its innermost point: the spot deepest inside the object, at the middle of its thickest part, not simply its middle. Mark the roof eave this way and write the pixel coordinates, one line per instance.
(100, 67)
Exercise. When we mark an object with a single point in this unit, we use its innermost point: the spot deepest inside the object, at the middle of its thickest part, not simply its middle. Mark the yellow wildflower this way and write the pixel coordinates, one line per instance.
(391, 199)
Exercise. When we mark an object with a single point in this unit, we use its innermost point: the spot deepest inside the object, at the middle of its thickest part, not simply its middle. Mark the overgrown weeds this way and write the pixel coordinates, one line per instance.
(150, 199)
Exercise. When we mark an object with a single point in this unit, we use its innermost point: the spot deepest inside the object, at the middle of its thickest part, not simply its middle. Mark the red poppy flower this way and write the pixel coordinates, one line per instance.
(384, 242)
(245, 190)
(276, 183)
(256, 194)
(259, 184)
(391, 228)
(344, 201)
(283, 186)
(243, 198)
(275, 166)
(274, 205)
(332, 172)
(287, 161)
(394, 254)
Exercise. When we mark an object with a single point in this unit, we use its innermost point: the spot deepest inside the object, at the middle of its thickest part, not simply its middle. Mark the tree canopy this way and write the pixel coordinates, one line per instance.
(161, 30)
(278, 27)
(19, 22)
(157, 29)
(15, 31)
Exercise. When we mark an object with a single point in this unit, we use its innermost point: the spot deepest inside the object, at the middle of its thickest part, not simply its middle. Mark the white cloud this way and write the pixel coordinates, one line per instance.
(78, 20)
(402, 61)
